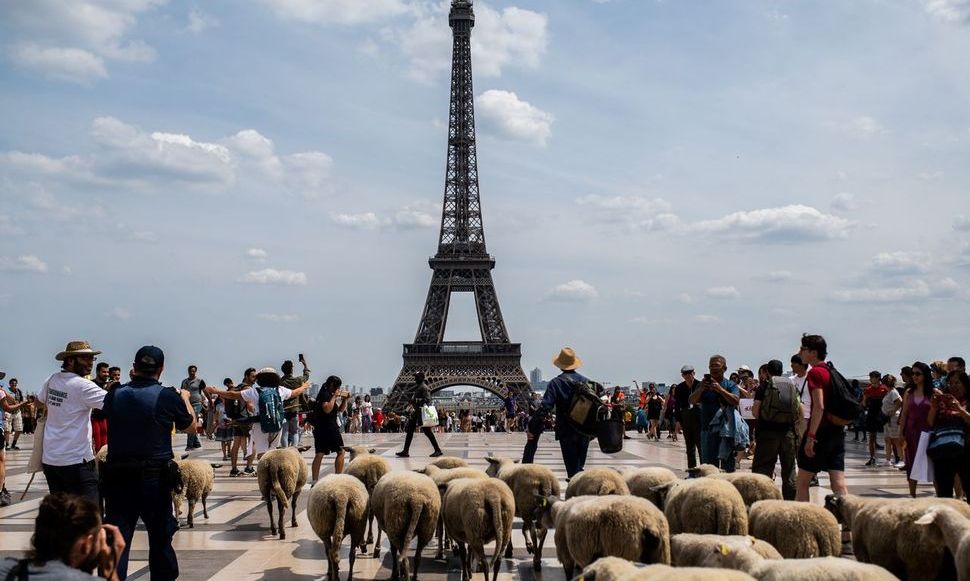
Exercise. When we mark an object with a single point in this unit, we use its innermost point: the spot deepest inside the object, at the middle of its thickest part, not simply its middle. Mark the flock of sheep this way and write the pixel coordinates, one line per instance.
(637, 524)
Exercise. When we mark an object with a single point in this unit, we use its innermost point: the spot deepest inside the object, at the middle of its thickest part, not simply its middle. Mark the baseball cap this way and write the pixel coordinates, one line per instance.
(687, 369)
(149, 358)
(744, 368)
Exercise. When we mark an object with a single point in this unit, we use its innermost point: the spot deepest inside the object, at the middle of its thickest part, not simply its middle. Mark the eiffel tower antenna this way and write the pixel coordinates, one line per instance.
(462, 264)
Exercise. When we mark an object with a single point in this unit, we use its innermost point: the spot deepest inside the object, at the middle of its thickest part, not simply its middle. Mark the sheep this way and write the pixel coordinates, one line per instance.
(884, 532)
(589, 527)
(703, 506)
(596, 482)
(816, 569)
(441, 477)
(692, 550)
(614, 569)
(641, 481)
(702, 471)
(526, 481)
(447, 462)
(955, 529)
(367, 467)
(478, 511)
(753, 487)
(798, 530)
(196, 478)
(406, 505)
(337, 507)
(282, 474)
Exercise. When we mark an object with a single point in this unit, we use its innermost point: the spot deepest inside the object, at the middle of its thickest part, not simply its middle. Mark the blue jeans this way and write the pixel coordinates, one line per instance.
(711, 441)
(290, 432)
(193, 441)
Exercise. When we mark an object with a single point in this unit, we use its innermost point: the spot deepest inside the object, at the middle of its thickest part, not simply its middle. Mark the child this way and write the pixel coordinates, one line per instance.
(223, 429)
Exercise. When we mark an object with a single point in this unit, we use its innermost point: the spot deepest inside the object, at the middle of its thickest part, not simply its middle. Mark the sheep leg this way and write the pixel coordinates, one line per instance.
(463, 556)
(296, 495)
(205, 511)
(331, 570)
(417, 558)
(541, 541)
(377, 542)
(529, 532)
(508, 551)
(191, 512)
(269, 508)
(282, 518)
(440, 533)
(395, 565)
(353, 555)
(496, 563)
(370, 527)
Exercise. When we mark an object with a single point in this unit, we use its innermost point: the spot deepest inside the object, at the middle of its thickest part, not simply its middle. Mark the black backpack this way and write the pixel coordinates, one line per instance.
(584, 406)
(842, 406)
(234, 408)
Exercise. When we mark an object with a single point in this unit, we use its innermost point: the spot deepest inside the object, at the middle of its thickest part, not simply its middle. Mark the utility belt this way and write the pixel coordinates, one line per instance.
(121, 475)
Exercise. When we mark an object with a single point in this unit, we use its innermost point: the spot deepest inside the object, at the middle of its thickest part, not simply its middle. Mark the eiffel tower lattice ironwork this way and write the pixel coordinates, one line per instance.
(462, 263)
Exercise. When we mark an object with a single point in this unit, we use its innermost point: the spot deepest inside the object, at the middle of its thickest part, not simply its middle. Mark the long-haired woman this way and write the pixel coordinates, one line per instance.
(915, 416)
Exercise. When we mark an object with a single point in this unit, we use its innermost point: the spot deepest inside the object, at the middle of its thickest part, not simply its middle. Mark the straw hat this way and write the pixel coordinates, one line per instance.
(76, 348)
(567, 360)
(268, 377)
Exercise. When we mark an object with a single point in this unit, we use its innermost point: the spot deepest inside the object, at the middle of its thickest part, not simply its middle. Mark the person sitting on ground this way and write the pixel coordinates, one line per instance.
(68, 540)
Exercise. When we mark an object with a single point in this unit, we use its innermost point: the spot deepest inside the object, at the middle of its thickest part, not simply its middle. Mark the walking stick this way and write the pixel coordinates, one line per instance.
(31, 481)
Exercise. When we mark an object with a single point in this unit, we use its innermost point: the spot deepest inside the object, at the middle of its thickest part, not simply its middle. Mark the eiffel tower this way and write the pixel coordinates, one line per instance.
(462, 264)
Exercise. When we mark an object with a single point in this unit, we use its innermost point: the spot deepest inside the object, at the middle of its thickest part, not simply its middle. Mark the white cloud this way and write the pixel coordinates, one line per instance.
(957, 11)
(513, 117)
(867, 126)
(120, 313)
(200, 21)
(257, 254)
(344, 12)
(635, 212)
(707, 318)
(573, 291)
(25, 263)
(60, 64)
(778, 276)
(72, 39)
(362, 221)
(918, 290)
(277, 277)
(409, 218)
(901, 262)
(685, 298)
(275, 318)
(785, 224)
(723, 292)
(844, 202)
(961, 223)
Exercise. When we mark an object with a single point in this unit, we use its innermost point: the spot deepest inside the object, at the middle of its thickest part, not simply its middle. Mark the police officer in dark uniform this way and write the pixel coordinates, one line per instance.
(139, 474)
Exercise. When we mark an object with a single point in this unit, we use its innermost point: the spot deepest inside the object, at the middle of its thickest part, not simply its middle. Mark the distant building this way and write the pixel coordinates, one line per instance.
(535, 377)
(376, 391)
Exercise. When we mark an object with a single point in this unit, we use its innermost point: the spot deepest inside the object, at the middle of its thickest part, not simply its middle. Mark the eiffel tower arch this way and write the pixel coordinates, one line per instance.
(462, 263)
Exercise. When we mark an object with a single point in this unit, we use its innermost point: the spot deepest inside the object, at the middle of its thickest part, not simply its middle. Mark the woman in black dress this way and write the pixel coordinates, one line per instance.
(420, 396)
(326, 434)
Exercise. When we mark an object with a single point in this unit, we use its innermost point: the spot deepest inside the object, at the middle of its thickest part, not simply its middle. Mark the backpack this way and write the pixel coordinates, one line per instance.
(234, 408)
(842, 406)
(270, 410)
(781, 403)
(583, 408)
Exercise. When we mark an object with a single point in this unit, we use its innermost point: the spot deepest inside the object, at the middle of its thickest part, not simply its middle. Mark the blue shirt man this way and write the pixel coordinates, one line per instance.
(716, 392)
(138, 478)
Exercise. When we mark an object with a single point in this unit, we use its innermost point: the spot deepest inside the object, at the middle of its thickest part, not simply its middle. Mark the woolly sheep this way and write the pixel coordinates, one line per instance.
(529, 483)
(406, 505)
(478, 511)
(447, 462)
(367, 467)
(753, 487)
(589, 527)
(955, 529)
(197, 478)
(614, 569)
(723, 510)
(692, 550)
(282, 474)
(441, 477)
(884, 532)
(337, 507)
(702, 471)
(798, 530)
(596, 482)
(642, 481)
(817, 569)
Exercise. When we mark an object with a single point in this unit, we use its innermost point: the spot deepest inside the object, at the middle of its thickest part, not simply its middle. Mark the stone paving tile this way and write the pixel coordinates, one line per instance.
(235, 544)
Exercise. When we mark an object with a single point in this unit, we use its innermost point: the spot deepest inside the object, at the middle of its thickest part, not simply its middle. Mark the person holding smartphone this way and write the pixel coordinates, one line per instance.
(326, 433)
(716, 392)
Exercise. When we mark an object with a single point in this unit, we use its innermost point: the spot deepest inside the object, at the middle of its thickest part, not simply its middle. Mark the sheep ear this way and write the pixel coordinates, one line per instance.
(372, 451)
(491, 460)
(926, 518)
(347, 449)
(516, 461)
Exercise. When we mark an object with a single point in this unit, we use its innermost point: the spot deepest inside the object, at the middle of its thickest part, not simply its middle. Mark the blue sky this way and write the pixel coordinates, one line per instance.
(238, 182)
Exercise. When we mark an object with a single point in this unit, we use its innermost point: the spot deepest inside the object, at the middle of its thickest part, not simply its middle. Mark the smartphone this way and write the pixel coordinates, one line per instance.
(707, 377)
(300, 357)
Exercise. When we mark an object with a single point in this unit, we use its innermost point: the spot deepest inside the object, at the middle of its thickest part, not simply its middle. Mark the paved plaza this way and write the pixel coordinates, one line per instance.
(234, 543)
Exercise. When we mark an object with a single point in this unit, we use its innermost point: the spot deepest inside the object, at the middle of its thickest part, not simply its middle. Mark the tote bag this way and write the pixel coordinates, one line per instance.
(922, 464)
(429, 416)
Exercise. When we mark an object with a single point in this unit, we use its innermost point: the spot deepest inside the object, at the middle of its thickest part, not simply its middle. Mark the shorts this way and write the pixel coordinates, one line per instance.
(15, 421)
(326, 440)
(260, 442)
(829, 450)
(224, 434)
(241, 430)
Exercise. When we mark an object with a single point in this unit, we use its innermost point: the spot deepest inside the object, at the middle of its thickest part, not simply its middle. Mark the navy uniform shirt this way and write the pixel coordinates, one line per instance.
(140, 419)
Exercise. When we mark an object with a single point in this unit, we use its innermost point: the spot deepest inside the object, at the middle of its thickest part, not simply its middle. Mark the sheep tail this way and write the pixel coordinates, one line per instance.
(340, 519)
(277, 489)
(495, 504)
(722, 518)
(649, 546)
(416, 509)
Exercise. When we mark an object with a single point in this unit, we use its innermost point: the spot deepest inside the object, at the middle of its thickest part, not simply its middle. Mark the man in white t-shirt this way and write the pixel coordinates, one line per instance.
(799, 377)
(267, 378)
(68, 459)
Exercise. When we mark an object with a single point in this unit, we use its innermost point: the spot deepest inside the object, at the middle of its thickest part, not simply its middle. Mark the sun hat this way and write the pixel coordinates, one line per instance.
(744, 368)
(268, 377)
(567, 360)
(687, 369)
(75, 348)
